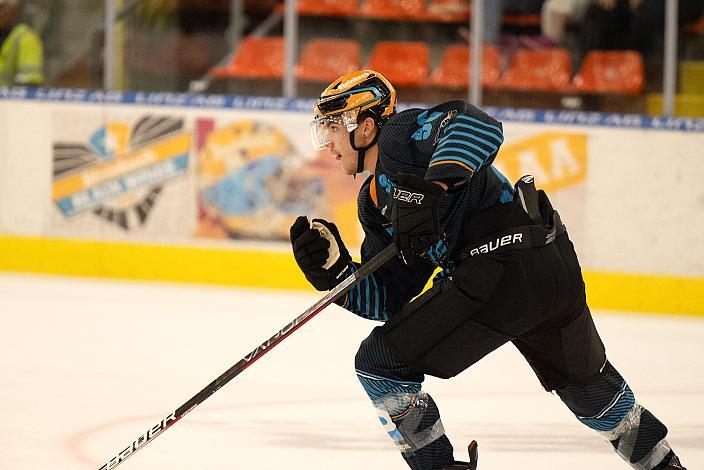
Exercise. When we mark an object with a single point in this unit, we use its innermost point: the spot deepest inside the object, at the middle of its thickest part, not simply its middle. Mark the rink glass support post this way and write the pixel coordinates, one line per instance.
(290, 46)
(669, 79)
(476, 28)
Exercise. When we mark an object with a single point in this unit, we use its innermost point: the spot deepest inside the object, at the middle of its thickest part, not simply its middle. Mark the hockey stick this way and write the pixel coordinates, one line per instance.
(173, 417)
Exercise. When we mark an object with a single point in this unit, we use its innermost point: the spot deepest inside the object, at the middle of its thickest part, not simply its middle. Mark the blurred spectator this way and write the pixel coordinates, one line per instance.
(605, 25)
(649, 16)
(557, 15)
(21, 50)
(495, 9)
(632, 24)
(214, 15)
(195, 16)
(256, 11)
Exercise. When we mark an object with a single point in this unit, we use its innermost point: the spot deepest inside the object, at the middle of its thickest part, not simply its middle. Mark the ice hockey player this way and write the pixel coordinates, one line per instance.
(509, 272)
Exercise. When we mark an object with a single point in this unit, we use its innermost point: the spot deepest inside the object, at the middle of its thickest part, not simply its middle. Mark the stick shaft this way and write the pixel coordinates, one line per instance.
(173, 417)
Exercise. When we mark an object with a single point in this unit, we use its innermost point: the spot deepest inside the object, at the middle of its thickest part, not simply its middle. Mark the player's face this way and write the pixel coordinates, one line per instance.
(333, 133)
(341, 148)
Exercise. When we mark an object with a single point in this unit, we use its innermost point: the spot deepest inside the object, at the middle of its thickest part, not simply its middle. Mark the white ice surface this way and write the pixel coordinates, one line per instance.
(87, 366)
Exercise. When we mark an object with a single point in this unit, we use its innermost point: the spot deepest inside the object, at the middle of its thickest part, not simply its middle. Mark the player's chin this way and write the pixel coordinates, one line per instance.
(346, 168)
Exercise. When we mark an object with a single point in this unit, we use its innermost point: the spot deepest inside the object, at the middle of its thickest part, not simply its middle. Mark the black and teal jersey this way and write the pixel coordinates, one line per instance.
(453, 142)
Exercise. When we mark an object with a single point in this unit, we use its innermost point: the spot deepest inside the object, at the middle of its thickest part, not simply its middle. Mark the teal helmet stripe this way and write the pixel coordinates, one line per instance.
(342, 97)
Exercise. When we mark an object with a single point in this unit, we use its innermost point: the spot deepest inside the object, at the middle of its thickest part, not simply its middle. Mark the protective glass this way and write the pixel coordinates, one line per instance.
(323, 129)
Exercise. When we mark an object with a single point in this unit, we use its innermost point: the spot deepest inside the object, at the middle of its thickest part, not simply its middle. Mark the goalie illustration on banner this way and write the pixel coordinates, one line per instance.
(252, 182)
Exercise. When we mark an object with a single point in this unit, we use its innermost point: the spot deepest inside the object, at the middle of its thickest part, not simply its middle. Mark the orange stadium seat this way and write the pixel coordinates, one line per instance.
(543, 69)
(403, 63)
(393, 9)
(521, 19)
(324, 60)
(611, 72)
(327, 7)
(453, 71)
(255, 58)
(456, 11)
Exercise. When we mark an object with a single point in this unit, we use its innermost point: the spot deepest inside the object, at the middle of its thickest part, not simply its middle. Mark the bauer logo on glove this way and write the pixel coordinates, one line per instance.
(414, 215)
(408, 196)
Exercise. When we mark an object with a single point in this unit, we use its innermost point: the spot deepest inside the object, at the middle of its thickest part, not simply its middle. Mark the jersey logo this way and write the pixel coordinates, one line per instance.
(407, 196)
(385, 183)
(426, 124)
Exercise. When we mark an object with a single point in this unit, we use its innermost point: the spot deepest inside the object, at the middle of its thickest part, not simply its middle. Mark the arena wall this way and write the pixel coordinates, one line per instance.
(194, 188)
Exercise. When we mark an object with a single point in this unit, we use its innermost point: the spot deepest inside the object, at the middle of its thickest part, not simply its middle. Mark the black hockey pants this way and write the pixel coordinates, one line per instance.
(533, 298)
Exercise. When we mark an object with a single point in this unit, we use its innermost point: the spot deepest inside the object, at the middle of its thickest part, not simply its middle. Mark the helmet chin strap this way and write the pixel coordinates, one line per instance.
(361, 151)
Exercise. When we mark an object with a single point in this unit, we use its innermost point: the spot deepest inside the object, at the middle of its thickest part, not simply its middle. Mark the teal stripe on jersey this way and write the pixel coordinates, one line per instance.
(499, 137)
(463, 142)
(366, 298)
(494, 147)
(367, 293)
(359, 298)
(375, 290)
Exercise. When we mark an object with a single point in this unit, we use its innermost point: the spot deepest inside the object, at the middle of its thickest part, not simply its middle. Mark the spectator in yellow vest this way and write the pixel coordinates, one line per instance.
(21, 54)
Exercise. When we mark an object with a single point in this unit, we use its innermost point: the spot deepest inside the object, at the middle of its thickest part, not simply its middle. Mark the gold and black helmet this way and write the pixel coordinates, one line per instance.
(364, 92)
(358, 91)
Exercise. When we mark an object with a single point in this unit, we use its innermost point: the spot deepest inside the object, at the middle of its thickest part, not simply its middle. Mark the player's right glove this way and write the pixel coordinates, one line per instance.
(320, 252)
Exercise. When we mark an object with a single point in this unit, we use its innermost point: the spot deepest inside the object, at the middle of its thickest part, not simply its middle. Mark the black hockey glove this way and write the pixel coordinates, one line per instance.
(414, 215)
(320, 252)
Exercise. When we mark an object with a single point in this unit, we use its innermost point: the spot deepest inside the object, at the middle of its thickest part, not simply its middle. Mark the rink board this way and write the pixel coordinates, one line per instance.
(605, 290)
(202, 188)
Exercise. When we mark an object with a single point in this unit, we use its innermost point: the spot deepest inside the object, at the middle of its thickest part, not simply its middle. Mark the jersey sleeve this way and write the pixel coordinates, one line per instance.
(466, 140)
(386, 290)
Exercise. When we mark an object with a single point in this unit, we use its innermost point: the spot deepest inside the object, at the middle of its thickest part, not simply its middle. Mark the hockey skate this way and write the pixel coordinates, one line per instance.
(473, 450)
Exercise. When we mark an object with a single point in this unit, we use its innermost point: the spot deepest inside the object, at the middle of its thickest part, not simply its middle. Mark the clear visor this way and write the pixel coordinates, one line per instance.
(324, 129)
